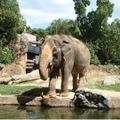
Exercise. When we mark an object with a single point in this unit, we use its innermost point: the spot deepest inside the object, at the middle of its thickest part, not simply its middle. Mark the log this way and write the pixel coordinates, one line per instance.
(35, 42)
(20, 78)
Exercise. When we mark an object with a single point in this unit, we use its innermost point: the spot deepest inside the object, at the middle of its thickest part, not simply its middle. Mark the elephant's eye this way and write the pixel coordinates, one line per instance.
(55, 54)
(54, 51)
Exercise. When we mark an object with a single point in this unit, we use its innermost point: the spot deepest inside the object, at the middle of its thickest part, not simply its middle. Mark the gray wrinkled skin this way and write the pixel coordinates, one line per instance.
(66, 54)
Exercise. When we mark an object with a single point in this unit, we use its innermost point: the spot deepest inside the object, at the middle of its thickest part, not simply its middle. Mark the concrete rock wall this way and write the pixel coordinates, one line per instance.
(84, 98)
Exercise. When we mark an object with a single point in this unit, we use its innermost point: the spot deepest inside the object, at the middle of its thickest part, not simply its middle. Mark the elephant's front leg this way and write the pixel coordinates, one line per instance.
(64, 83)
(52, 81)
(52, 86)
(52, 92)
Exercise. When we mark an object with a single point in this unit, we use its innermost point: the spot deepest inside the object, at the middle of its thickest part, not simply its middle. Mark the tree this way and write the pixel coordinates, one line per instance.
(64, 26)
(110, 44)
(38, 32)
(94, 22)
(21, 25)
(103, 39)
(9, 19)
(10, 25)
(60, 26)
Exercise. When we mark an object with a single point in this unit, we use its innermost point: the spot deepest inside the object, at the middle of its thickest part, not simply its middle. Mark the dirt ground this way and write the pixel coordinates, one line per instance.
(95, 73)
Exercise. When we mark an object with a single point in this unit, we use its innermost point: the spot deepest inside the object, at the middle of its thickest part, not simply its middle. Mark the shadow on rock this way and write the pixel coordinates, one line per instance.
(30, 95)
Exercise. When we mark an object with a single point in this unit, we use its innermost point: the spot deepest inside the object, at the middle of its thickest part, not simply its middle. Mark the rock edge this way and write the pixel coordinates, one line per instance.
(85, 98)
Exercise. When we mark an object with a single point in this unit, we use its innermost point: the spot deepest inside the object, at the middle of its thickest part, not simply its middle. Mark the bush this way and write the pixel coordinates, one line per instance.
(6, 55)
(11, 23)
(94, 59)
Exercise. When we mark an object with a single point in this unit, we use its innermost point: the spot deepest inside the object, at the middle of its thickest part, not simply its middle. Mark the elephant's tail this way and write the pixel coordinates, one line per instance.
(80, 76)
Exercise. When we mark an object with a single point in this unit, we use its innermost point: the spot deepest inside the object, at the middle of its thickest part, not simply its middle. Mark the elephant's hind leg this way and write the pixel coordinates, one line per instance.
(75, 82)
(81, 75)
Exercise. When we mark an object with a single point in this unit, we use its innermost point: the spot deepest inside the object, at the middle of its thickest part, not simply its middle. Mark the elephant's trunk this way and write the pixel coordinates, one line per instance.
(45, 60)
(43, 71)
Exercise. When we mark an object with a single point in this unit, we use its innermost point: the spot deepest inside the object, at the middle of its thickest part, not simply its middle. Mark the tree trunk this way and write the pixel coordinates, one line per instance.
(20, 78)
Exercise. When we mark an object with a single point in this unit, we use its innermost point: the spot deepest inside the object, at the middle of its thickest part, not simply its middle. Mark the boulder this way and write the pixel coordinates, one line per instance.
(110, 80)
(96, 98)
(11, 69)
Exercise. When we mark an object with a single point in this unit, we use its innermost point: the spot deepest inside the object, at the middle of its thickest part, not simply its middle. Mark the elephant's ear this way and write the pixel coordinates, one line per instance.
(66, 49)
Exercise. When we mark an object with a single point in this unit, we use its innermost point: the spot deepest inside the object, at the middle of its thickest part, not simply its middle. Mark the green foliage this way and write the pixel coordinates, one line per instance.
(64, 26)
(115, 41)
(8, 20)
(39, 33)
(94, 20)
(109, 44)
(11, 5)
(11, 23)
(59, 26)
(93, 51)
(21, 25)
(6, 55)
(22, 90)
(9, 16)
(22, 45)
(103, 38)
(104, 50)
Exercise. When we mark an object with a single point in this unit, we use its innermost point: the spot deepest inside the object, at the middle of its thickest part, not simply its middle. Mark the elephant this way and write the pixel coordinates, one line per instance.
(66, 54)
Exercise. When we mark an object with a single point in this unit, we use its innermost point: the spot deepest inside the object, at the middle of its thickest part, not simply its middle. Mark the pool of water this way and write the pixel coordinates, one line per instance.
(37, 112)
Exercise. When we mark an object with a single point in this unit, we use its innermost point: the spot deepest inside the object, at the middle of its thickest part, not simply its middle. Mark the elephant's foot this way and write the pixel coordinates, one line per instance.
(64, 94)
(73, 90)
(49, 95)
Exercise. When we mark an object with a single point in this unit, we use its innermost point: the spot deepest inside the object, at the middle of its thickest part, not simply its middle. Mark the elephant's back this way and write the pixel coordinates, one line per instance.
(82, 55)
(80, 48)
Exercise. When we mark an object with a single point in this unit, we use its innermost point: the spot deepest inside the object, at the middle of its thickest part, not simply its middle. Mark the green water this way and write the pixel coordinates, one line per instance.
(37, 112)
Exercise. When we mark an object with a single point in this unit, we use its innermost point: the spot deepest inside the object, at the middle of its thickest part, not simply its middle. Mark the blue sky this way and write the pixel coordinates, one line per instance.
(40, 13)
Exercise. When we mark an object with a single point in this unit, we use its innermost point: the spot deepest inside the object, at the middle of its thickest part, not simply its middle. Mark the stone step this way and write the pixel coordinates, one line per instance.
(87, 98)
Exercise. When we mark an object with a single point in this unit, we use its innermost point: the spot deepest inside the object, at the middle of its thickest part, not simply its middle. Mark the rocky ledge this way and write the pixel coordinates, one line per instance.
(85, 98)
(96, 98)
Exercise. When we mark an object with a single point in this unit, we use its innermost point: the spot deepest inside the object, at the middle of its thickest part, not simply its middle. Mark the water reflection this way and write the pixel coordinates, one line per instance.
(37, 112)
